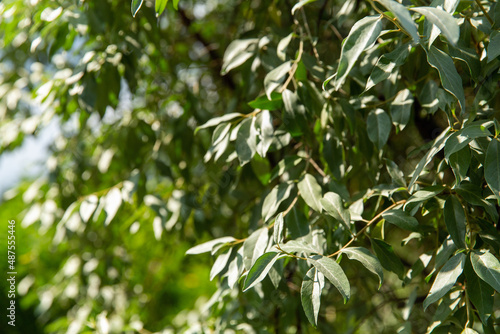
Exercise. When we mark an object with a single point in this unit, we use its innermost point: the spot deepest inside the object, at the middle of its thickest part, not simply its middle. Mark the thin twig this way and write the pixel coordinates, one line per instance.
(306, 25)
(485, 12)
(374, 219)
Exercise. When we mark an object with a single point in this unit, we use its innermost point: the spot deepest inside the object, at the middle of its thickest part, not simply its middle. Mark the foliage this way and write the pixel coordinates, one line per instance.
(330, 137)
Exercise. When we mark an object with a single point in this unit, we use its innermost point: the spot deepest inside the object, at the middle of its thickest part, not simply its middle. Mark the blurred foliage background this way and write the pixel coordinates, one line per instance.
(129, 185)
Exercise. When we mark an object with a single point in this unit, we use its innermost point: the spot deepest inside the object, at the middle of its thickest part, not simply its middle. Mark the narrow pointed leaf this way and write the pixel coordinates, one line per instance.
(450, 79)
(367, 259)
(445, 279)
(217, 120)
(388, 259)
(310, 294)
(160, 6)
(387, 64)
(492, 167)
(480, 293)
(278, 229)
(443, 20)
(334, 273)
(401, 219)
(401, 108)
(363, 35)
(260, 269)
(310, 191)
(403, 16)
(220, 263)
(299, 246)
(333, 205)
(378, 126)
(207, 246)
(135, 6)
(276, 77)
(454, 218)
(487, 267)
(246, 141)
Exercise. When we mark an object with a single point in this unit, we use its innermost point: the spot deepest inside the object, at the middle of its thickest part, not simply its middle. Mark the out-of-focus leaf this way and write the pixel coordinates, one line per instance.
(237, 53)
(160, 6)
(135, 6)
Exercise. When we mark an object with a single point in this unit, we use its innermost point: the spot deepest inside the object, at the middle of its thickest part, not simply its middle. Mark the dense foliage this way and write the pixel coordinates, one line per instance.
(338, 160)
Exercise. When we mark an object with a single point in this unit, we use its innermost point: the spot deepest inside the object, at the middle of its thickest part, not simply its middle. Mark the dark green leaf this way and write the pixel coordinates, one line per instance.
(387, 64)
(493, 50)
(395, 173)
(454, 218)
(450, 79)
(401, 219)
(334, 273)
(459, 163)
(401, 108)
(387, 257)
(492, 167)
(445, 279)
(480, 293)
(378, 126)
(297, 224)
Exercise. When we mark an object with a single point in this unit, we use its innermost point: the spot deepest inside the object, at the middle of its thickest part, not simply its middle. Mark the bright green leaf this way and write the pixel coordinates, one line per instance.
(160, 6)
(492, 167)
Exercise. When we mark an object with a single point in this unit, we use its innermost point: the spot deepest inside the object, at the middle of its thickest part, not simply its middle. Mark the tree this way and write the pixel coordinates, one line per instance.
(339, 160)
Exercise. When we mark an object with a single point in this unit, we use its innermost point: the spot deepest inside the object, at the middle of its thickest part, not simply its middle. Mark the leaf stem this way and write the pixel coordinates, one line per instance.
(374, 219)
(488, 17)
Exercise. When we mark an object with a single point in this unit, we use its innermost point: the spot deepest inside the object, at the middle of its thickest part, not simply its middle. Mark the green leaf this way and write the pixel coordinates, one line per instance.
(459, 163)
(422, 196)
(135, 6)
(246, 141)
(255, 246)
(487, 267)
(260, 269)
(160, 6)
(401, 219)
(283, 45)
(278, 229)
(362, 36)
(334, 273)
(220, 263)
(401, 108)
(310, 191)
(469, 331)
(445, 279)
(480, 293)
(262, 102)
(450, 79)
(437, 146)
(396, 174)
(175, 3)
(207, 246)
(296, 223)
(237, 53)
(276, 77)
(493, 49)
(472, 194)
(378, 125)
(388, 259)
(443, 20)
(265, 132)
(299, 246)
(454, 218)
(301, 4)
(273, 200)
(492, 167)
(463, 137)
(310, 294)
(403, 16)
(367, 259)
(387, 64)
(333, 205)
(217, 120)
